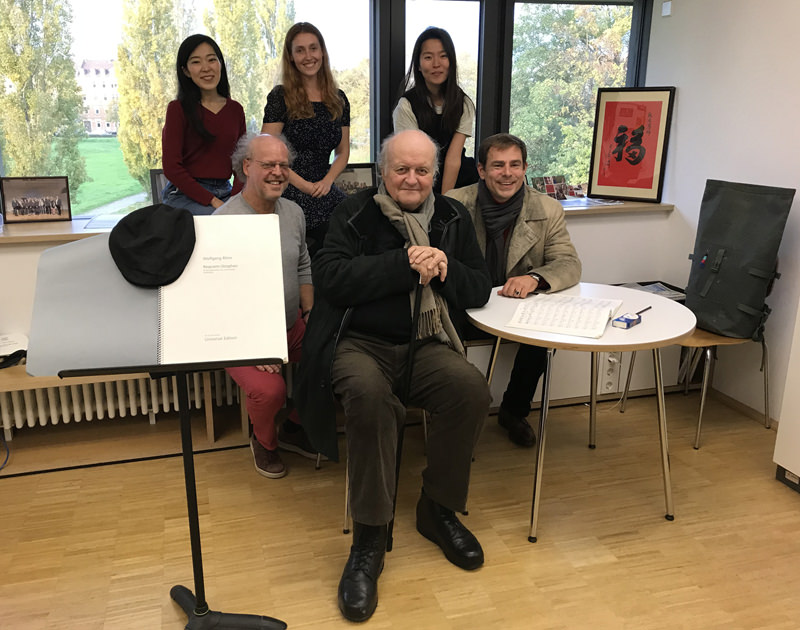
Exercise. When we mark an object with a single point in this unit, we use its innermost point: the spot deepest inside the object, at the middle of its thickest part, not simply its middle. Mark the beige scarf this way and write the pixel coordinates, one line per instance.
(434, 318)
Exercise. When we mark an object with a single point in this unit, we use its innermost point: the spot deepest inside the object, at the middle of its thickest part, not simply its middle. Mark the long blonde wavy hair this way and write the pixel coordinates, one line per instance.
(297, 102)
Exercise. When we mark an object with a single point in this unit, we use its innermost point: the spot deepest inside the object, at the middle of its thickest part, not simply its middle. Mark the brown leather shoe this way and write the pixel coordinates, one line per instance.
(268, 463)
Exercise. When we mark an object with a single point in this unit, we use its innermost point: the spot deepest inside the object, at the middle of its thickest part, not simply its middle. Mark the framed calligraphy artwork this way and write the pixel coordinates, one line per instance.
(629, 149)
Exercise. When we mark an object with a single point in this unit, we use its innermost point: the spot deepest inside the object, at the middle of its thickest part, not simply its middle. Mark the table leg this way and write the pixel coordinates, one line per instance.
(662, 433)
(593, 400)
(537, 472)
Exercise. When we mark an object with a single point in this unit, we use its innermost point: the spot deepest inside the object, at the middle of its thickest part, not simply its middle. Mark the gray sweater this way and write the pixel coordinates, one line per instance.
(294, 253)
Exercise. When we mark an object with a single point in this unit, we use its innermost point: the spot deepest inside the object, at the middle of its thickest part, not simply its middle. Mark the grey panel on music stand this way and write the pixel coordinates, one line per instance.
(80, 289)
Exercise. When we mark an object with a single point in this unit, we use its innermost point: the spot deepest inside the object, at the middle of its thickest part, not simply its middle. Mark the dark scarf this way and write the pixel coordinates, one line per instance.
(498, 217)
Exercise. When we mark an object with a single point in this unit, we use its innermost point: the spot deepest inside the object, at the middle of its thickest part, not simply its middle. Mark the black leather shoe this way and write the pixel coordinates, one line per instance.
(519, 431)
(358, 588)
(441, 526)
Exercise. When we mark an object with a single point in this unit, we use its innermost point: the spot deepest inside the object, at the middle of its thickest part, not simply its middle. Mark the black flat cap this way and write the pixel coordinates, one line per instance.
(152, 245)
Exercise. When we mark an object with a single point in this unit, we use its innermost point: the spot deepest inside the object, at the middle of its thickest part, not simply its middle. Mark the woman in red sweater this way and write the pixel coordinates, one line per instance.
(201, 130)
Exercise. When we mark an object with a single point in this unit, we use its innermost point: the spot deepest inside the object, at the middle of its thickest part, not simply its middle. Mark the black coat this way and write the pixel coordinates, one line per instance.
(363, 259)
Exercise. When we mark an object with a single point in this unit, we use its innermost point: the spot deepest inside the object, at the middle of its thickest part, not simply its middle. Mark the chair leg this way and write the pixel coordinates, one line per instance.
(694, 360)
(765, 370)
(346, 524)
(425, 431)
(710, 353)
(683, 368)
(627, 383)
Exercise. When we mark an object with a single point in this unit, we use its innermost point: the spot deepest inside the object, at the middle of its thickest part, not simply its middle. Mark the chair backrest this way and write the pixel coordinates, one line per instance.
(157, 182)
(736, 255)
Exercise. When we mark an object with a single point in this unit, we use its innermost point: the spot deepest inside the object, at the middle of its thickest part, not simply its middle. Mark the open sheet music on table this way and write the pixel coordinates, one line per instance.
(565, 314)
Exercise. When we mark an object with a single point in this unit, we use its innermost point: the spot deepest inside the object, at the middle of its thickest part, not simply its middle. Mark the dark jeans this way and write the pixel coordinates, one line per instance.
(366, 375)
(173, 197)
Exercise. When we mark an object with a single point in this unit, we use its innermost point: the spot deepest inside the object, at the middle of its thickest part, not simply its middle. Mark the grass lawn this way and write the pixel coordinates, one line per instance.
(108, 175)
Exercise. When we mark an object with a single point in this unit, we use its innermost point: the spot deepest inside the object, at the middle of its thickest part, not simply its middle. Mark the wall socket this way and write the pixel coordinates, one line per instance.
(609, 371)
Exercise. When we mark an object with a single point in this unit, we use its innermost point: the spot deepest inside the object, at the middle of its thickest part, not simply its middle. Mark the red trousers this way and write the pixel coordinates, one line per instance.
(266, 392)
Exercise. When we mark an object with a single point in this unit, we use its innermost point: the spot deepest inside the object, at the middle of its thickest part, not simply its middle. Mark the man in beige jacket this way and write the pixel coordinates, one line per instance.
(524, 238)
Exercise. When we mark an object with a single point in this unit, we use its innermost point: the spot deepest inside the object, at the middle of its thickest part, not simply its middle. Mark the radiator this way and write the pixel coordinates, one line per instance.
(112, 399)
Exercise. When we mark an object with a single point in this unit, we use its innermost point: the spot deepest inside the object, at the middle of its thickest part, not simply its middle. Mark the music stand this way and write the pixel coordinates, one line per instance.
(67, 339)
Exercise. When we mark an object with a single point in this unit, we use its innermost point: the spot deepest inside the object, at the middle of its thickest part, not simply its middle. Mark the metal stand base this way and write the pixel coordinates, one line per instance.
(213, 620)
(196, 609)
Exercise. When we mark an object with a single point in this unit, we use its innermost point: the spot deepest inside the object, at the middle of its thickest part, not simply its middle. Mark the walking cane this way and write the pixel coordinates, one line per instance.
(405, 387)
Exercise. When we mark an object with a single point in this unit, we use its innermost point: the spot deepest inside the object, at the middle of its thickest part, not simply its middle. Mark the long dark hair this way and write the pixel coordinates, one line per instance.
(417, 92)
(188, 92)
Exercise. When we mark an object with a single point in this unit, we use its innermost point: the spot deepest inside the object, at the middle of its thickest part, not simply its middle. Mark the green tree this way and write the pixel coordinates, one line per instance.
(355, 84)
(562, 54)
(145, 71)
(250, 35)
(40, 101)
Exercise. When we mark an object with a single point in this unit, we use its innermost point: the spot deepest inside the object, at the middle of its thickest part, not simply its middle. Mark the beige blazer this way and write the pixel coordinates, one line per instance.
(539, 242)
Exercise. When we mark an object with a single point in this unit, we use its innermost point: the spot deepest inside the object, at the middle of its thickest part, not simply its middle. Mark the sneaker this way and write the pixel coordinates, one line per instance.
(297, 442)
(268, 463)
(519, 431)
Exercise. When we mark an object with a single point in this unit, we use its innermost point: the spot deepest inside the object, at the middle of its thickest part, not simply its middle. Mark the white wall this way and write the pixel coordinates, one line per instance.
(736, 67)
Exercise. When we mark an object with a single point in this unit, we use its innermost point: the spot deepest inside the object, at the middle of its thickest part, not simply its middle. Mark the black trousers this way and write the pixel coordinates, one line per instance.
(529, 365)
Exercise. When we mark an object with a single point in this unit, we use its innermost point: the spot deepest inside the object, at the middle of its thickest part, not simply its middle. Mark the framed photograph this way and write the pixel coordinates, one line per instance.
(35, 199)
(357, 177)
(629, 149)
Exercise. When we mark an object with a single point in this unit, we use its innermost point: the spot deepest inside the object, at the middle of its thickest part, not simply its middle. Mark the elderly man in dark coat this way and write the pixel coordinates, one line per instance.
(382, 244)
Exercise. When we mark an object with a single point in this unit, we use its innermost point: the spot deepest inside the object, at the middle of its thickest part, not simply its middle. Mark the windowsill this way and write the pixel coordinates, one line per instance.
(626, 207)
(47, 231)
(68, 231)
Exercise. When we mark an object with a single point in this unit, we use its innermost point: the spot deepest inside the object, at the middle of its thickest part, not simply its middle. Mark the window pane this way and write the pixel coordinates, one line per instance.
(346, 34)
(562, 54)
(460, 18)
(124, 77)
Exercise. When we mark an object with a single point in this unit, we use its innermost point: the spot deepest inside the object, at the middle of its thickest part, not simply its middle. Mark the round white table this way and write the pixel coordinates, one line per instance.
(665, 323)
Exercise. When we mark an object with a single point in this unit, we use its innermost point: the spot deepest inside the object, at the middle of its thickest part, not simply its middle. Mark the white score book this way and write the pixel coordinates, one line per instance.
(565, 314)
(228, 303)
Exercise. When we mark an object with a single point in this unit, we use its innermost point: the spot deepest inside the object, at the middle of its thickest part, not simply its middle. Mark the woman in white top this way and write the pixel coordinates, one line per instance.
(433, 101)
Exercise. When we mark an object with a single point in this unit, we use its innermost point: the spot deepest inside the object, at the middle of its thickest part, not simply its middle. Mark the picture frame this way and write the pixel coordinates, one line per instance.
(629, 146)
(35, 199)
(356, 177)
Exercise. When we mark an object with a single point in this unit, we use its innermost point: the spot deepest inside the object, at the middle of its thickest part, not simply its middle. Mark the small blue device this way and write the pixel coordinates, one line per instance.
(628, 320)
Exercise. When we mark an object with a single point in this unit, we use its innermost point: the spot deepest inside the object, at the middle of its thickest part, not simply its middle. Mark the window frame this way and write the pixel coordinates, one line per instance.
(495, 48)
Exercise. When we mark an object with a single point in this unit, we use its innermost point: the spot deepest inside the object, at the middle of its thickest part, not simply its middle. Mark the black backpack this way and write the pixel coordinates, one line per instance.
(735, 256)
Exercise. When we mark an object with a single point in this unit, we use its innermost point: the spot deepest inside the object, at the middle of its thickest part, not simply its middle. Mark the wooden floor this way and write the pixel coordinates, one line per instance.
(100, 547)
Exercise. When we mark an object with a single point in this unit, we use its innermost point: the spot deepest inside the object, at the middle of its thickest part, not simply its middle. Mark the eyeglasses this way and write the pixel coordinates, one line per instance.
(268, 166)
